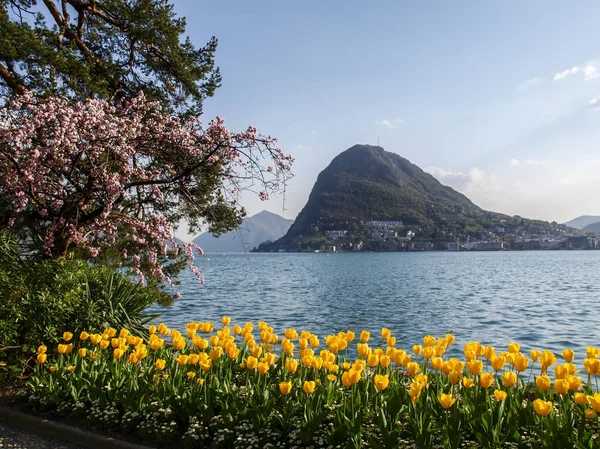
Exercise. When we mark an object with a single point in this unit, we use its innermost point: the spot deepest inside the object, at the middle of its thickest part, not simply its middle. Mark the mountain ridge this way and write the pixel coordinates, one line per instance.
(254, 230)
(583, 221)
(366, 183)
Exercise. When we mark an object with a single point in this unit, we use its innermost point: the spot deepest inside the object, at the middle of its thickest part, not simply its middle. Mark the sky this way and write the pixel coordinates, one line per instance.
(499, 100)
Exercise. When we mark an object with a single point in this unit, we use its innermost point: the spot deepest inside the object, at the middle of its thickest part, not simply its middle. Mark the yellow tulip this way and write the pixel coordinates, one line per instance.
(436, 363)
(428, 352)
(373, 360)
(548, 359)
(520, 363)
(468, 382)
(95, 338)
(535, 355)
(331, 377)
(67, 336)
(133, 358)
(291, 365)
(386, 333)
(182, 359)
(500, 395)
(590, 414)
(251, 362)
(486, 380)
(413, 368)
(42, 349)
(346, 380)
(316, 363)
(455, 377)
(542, 408)
(591, 365)
(190, 374)
(285, 388)
(104, 344)
(581, 399)
(83, 336)
(568, 355)
(429, 340)
(509, 379)
(543, 382)
(82, 352)
(417, 349)
(470, 355)
(70, 368)
(475, 367)
(513, 347)
(355, 375)
(62, 348)
(497, 362)
(53, 368)
(205, 365)
(262, 367)
(309, 387)
(591, 352)
(415, 391)
(574, 383)
(363, 350)
(561, 386)
(225, 320)
(118, 353)
(41, 358)
(160, 364)
(152, 329)
(381, 382)
(561, 372)
(447, 400)
(364, 336)
(595, 402)
(391, 341)
(489, 352)
(216, 353)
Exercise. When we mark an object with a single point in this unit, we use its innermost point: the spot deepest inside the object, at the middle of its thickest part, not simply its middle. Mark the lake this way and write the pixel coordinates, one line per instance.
(541, 299)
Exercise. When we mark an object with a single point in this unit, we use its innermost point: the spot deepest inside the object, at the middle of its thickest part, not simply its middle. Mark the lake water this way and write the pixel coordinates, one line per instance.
(543, 300)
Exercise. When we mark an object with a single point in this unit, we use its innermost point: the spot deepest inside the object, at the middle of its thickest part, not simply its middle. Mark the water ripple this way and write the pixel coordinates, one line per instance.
(541, 299)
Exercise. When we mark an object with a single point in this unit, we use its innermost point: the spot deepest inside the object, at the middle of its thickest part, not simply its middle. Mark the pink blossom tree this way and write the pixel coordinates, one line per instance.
(95, 179)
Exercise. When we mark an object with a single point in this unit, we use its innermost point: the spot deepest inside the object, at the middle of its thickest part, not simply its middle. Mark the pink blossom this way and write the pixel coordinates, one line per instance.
(100, 175)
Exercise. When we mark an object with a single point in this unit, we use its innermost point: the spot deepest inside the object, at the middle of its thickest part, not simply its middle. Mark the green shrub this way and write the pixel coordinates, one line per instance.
(41, 298)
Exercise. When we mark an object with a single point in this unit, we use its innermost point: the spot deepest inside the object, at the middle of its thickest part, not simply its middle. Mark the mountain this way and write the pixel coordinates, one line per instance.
(583, 221)
(254, 230)
(366, 183)
(593, 227)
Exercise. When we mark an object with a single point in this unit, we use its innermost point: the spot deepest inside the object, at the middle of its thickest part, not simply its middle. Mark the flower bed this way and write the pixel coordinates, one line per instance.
(246, 387)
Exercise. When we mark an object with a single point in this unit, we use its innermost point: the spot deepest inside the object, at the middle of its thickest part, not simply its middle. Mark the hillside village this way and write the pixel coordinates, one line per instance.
(504, 233)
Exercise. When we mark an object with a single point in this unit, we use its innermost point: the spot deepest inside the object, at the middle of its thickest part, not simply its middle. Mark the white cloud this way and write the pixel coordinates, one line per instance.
(529, 84)
(390, 124)
(557, 189)
(589, 71)
(514, 162)
(471, 181)
(595, 102)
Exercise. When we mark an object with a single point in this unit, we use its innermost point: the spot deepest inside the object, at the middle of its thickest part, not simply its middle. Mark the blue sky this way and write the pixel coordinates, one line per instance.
(495, 99)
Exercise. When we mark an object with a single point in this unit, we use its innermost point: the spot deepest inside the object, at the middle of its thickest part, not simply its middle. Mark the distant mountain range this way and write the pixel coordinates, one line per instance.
(594, 227)
(262, 227)
(366, 183)
(583, 221)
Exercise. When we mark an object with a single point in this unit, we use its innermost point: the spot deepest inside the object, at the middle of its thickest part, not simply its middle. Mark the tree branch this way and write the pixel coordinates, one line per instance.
(11, 81)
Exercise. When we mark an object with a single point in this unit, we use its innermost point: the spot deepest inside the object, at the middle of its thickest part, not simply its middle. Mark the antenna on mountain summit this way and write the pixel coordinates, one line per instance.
(377, 140)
